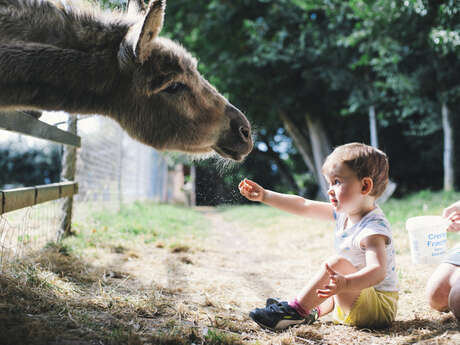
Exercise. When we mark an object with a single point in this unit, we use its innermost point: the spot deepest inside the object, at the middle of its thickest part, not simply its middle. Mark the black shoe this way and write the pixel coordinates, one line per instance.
(276, 316)
(271, 300)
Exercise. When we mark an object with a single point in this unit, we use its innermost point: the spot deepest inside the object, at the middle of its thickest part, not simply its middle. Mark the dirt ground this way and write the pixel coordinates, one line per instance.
(210, 286)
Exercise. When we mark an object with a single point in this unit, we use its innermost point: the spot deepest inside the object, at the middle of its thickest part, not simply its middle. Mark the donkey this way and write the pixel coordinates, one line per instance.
(80, 59)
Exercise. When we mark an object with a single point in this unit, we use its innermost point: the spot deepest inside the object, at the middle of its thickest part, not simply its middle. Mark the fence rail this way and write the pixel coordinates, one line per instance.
(23, 123)
(111, 169)
(21, 198)
(15, 199)
(21, 225)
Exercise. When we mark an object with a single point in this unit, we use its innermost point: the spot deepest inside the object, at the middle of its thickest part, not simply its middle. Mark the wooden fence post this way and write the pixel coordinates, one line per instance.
(69, 159)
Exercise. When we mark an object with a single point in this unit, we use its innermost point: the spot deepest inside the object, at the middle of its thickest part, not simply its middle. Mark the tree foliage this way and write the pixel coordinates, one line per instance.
(22, 165)
(330, 60)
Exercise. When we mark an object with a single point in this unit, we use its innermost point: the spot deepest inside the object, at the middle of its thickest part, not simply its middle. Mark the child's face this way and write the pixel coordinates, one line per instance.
(345, 189)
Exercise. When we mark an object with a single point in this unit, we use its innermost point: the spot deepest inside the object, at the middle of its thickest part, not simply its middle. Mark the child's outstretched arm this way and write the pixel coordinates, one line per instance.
(286, 202)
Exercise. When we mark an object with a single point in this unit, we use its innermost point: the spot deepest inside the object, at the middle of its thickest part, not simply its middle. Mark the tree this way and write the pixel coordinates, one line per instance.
(256, 60)
(397, 61)
(320, 70)
(445, 39)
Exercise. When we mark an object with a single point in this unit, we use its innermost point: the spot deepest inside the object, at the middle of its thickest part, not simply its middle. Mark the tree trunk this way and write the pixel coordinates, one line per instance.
(321, 148)
(448, 148)
(373, 127)
(391, 187)
(300, 141)
(313, 151)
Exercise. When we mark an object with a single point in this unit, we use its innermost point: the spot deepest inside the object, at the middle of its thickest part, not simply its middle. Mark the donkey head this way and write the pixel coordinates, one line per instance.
(174, 107)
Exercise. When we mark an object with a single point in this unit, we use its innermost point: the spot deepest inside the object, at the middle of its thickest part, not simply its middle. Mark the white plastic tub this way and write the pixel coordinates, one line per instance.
(428, 237)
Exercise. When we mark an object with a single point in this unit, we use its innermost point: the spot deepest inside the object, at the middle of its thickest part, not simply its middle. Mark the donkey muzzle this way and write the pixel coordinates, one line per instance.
(236, 142)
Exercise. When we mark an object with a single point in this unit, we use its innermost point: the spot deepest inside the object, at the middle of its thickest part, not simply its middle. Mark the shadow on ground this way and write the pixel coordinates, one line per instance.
(55, 298)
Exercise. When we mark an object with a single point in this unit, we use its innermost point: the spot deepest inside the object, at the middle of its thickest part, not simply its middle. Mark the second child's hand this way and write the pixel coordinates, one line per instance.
(251, 190)
(452, 213)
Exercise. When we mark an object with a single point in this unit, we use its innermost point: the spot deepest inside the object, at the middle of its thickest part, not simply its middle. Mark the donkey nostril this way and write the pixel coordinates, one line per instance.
(244, 132)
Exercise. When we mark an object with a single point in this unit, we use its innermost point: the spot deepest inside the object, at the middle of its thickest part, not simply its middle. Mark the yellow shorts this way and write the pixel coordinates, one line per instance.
(372, 309)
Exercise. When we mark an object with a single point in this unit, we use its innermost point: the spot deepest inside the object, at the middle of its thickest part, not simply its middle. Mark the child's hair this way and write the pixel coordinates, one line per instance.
(365, 161)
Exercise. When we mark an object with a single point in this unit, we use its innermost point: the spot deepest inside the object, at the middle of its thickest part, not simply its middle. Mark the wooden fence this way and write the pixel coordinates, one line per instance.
(19, 198)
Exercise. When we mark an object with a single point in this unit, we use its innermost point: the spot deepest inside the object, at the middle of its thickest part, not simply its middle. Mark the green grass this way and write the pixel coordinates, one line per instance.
(257, 215)
(150, 222)
(422, 203)
(147, 222)
(397, 211)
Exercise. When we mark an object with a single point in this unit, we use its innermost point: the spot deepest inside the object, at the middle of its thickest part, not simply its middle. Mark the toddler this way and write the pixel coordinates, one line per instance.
(359, 284)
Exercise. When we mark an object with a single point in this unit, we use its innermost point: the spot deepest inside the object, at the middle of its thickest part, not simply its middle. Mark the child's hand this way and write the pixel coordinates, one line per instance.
(251, 190)
(337, 283)
(452, 213)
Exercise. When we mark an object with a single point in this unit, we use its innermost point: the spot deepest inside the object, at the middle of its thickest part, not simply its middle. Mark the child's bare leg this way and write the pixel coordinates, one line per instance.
(327, 306)
(440, 284)
(308, 298)
(454, 298)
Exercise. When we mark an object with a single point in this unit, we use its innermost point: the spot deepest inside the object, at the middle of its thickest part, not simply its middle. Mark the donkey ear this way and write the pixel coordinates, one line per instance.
(136, 7)
(153, 23)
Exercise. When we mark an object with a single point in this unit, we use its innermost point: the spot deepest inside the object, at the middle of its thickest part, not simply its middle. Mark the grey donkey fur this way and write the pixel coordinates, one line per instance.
(77, 58)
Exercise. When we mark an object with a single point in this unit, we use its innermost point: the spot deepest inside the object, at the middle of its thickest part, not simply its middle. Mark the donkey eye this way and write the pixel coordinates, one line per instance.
(175, 87)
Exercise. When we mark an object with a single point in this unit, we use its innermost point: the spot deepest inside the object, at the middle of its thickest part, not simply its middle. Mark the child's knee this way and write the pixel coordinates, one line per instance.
(338, 262)
(437, 293)
(454, 300)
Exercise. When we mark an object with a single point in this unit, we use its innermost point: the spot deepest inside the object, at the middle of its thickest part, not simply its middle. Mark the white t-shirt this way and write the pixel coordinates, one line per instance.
(347, 244)
(453, 256)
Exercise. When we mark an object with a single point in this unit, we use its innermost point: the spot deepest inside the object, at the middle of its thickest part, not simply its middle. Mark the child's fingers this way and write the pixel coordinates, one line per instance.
(455, 208)
(324, 293)
(448, 211)
(244, 192)
(251, 183)
(454, 227)
(254, 187)
(243, 184)
(454, 219)
(330, 271)
(453, 216)
(249, 189)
